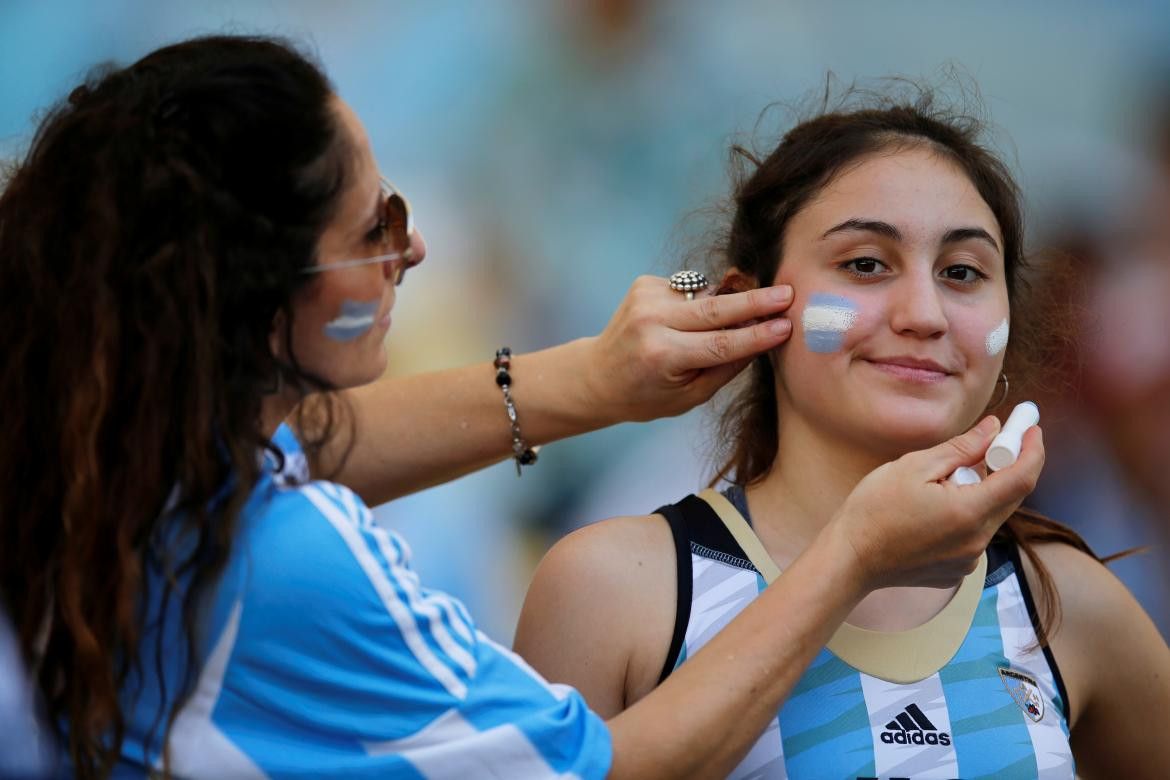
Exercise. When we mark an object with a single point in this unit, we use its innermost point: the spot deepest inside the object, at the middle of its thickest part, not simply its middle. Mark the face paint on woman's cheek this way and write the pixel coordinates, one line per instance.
(355, 319)
(997, 339)
(825, 320)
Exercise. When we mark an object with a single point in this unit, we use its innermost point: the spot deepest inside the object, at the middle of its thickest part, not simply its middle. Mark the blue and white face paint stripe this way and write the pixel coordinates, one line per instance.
(355, 319)
(825, 320)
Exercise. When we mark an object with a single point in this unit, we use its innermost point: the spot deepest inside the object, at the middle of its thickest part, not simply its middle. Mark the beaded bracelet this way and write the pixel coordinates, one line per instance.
(521, 452)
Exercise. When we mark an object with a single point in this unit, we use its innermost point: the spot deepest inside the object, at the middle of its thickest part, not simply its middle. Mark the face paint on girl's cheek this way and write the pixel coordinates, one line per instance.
(355, 319)
(998, 338)
(826, 318)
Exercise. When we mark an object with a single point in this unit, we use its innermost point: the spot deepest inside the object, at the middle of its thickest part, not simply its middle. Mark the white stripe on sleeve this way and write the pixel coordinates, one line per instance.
(198, 748)
(450, 748)
(378, 577)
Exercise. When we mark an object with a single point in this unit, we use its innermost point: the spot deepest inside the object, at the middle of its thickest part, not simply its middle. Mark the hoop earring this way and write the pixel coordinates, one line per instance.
(1003, 397)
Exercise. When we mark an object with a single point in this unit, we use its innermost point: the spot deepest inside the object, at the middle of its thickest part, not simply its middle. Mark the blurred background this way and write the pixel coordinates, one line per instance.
(554, 150)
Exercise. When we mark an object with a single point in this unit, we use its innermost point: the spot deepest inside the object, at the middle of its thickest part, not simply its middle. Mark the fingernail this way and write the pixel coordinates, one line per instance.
(781, 293)
(779, 325)
(986, 426)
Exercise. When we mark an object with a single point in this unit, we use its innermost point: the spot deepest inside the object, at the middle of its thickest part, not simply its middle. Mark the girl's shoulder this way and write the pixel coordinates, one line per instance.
(630, 554)
(1107, 647)
(591, 567)
(599, 614)
(1089, 593)
(614, 539)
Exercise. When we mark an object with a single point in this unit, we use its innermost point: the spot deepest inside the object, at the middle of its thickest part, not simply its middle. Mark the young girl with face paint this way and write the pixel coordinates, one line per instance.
(901, 237)
(199, 260)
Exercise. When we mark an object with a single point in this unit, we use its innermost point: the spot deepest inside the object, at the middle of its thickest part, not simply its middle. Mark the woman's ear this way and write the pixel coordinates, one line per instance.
(276, 335)
(735, 281)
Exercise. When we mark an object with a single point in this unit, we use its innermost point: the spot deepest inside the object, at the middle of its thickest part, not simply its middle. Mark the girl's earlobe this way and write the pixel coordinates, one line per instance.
(735, 281)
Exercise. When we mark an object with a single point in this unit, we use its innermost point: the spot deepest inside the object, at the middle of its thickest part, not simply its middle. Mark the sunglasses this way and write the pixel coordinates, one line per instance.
(395, 226)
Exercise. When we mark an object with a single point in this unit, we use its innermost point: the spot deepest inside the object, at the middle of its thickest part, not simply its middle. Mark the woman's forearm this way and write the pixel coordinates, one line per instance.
(706, 716)
(417, 431)
(659, 355)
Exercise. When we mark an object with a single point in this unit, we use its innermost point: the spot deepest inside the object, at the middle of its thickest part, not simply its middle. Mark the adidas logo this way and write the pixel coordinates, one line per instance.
(912, 727)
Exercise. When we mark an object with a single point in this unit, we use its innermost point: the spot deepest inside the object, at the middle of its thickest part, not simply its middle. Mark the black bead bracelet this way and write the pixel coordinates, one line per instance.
(521, 452)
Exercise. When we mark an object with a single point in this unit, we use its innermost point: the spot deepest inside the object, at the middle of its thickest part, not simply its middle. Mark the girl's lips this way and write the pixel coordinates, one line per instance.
(909, 373)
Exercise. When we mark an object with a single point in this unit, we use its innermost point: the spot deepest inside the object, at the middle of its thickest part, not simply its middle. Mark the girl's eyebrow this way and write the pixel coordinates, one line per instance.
(952, 236)
(964, 234)
(867, 226)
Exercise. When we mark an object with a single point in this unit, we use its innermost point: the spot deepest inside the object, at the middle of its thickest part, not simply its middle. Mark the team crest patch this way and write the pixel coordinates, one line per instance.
(1024, 692)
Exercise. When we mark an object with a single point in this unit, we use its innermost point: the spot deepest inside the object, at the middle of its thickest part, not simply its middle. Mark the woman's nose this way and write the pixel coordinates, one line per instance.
(395, 270)
(418, 249)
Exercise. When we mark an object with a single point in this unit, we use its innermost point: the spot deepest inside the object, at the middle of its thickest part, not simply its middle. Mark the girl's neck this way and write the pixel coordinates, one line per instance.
(812, 475)
(814, 472)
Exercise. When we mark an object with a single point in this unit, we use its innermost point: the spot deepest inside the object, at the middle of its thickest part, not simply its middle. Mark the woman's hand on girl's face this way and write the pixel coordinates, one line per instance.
(661, 354)
(906, 525)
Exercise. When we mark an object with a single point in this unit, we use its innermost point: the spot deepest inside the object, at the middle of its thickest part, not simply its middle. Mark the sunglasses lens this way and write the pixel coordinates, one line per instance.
(400, 224)
(399, 221)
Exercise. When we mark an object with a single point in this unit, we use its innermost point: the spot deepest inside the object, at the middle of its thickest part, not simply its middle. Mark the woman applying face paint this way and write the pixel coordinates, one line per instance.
(201, 261)
(901, 237)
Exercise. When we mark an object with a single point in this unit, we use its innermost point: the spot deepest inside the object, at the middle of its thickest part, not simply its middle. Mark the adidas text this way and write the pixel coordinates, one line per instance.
(916, 738)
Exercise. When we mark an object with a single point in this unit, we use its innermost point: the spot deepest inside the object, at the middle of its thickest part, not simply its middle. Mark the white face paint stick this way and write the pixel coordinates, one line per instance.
(1005, 447)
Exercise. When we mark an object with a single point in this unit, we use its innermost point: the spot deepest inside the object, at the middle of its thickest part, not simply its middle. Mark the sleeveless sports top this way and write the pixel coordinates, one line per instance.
(995, 708)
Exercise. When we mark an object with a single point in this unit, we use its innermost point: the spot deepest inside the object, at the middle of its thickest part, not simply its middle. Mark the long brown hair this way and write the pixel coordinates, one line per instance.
(159, 221)
(769, 190)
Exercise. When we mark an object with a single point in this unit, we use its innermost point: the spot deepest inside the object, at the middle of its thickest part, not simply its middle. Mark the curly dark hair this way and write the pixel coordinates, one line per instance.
(158, 223)
(768, 190)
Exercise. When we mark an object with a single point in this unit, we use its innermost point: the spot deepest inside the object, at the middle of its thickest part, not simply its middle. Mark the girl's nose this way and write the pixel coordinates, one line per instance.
(918, 309)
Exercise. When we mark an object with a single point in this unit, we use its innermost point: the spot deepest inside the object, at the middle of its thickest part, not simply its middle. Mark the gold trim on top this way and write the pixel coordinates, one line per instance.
(896, 656)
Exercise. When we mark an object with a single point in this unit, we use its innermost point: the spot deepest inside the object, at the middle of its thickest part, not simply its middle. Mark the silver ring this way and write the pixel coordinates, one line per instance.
(688, 283)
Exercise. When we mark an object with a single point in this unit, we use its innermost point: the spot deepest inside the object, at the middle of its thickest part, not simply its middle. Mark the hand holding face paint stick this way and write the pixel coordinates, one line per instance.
(1005, 448)
(903, 527)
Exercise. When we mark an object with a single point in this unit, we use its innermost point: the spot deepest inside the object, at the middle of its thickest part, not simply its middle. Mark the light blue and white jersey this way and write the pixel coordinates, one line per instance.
(26, 749)
(995, 708)
(321, 654)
